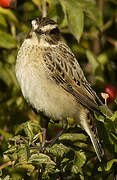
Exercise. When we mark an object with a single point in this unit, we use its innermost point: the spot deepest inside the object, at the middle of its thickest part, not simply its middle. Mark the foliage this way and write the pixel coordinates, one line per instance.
(89, 27)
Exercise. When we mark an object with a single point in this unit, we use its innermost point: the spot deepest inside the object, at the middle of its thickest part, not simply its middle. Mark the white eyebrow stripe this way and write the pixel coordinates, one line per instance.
(34, 24)
(48, 27)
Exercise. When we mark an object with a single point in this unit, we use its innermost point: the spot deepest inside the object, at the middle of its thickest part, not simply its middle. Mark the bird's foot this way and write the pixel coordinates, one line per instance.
(51, 142)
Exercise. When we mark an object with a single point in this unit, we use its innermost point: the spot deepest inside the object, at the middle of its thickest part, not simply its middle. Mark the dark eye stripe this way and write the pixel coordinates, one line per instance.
(54, 31)
(39, 31)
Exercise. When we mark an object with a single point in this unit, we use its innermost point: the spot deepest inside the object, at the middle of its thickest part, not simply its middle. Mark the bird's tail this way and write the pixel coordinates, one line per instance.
(96, 144)
(89, 126)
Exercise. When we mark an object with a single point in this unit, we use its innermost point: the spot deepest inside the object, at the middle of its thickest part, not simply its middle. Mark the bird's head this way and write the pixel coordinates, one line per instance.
(44, 30)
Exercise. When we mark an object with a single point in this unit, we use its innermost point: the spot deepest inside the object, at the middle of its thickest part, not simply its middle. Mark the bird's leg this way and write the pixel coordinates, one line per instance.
(65, 124)
(44, 137)
(51, 142)
(44, 134)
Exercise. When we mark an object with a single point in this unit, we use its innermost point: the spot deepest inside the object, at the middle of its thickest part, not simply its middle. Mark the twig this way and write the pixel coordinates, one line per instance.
(9, 163)
(101, 6)
(102, 30)
(65, 30)
(96, 41)
(44, 8)
(107, 25)
(112, 41)
(13, 29)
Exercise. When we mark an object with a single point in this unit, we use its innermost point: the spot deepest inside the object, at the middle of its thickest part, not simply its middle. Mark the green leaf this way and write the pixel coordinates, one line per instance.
(5, 134)
(7, 41)
(114, 116)
(94, 14)
(0, 173)
(99, 117)
(3, 21)
(113, 1)
(29, 131)
(103, 58)
(92, 60)
(40, 159)
(9, 14)
(106, 111)
(28, 167)
(113, 140)
(75, 17)
(81, 158)
(75, 11)
(58, 150)
(5, 75)
(27, 128)
(91, 10)
(73, 137)
(76, 23)
(109, 165)
(7, 178)
(10, 150)
(116, 100)
(37, 3)
(79, 161)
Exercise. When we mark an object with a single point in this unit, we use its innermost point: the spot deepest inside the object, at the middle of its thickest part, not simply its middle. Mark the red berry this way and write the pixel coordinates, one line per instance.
(8, 3)
(111, 91)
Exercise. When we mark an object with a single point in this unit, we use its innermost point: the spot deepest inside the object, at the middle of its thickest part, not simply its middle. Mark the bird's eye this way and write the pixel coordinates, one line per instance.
(39, 31)
(54, 31)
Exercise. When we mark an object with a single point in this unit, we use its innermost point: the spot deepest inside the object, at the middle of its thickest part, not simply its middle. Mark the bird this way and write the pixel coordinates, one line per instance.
(52, 80)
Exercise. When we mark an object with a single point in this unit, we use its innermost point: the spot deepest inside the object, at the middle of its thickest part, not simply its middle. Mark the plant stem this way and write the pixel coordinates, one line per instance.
(9, 163)
(96, 43)
(44, 8)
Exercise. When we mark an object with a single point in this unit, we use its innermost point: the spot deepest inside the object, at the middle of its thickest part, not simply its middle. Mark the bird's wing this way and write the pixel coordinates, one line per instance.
(64, 69)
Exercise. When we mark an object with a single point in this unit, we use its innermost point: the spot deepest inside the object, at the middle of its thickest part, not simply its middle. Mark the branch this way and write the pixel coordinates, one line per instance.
(9, 163)
(97, 32)
(44, 8)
